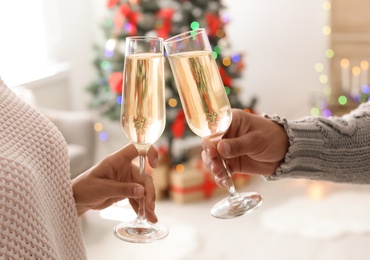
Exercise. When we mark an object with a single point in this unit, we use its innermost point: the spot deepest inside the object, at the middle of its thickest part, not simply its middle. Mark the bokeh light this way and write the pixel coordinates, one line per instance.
(194, 25)
(172, 102)
(319, 67)
(327, 113)
(128, 27)
(366, 89)
(215, 55)
(344, 63)
(364, 65)
(110, 45)
(217, 49)
(220, 33)
(342, 100)
(226, 61)
(98, 127)
(105, 65)
(103, 136)
(323, 79)
(108, 53)
(329, 53)
(119, 100)
(326, 6)
(326, 30)
(236, 58)
(315, 111)
(356, 71)
(179, 168)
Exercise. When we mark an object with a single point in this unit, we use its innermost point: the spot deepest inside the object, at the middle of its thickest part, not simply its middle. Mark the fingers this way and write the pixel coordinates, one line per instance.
(213, 163)
(152, 155)
(129, 152)
(209, 148)
(150, 198)
(230, 148)
(113, 189)
(149, 213)
(117, 191)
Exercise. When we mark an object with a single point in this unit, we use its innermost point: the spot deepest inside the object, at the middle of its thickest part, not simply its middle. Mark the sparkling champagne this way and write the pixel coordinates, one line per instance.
(143, 109)
(202, 93)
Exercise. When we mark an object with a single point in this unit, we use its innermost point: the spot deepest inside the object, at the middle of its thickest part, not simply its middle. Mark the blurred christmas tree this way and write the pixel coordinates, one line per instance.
(163, 18)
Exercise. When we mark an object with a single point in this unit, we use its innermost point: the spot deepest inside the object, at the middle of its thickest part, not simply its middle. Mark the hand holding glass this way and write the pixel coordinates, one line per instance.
(143, 119)
(206, 106)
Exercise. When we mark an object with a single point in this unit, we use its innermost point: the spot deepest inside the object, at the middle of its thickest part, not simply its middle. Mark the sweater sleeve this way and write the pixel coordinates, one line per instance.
(333, 149)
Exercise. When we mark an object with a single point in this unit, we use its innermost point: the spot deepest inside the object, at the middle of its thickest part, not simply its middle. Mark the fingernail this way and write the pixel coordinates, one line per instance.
(211, 167)
(155, 162)
(205, 148)
(227, 148)
(139, 191)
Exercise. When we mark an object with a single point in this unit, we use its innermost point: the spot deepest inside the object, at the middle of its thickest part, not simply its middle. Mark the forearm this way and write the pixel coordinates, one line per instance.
(336, 149)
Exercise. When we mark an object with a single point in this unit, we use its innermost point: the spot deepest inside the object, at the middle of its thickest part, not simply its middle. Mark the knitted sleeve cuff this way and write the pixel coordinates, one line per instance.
(306, 141)
(330, 149)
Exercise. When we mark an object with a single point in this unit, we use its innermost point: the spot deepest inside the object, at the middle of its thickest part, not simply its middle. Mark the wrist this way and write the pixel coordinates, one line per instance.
(80, 207)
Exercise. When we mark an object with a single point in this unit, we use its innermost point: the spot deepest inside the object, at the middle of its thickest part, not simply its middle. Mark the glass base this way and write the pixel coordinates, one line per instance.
(137, 233)
(240, 205)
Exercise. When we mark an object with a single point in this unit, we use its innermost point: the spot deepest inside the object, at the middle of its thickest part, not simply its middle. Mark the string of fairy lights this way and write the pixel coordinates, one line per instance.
(321, 108)
(354, 86)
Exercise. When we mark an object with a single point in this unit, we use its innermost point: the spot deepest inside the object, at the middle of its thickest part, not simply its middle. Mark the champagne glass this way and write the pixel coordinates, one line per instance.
(206, 106)
(143, 119)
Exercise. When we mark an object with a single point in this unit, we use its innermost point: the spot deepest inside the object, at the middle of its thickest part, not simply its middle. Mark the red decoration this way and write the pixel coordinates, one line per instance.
(115, 82)
(111, 3)
(196, 182)
(125, 17)
(178, 125)
(226, 79)
(119, 20)
(214, 23)
(165, 16)
(207, 187)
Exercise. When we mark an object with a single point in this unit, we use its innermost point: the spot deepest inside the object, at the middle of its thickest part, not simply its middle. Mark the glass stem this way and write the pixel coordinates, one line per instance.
(229, 183)
(141, 216)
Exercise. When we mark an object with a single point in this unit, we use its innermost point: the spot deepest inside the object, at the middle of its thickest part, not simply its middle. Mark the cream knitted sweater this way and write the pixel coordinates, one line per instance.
(334, 149)
(38, 218)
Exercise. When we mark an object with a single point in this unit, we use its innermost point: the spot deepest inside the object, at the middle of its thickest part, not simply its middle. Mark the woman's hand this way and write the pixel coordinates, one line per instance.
(116, 178)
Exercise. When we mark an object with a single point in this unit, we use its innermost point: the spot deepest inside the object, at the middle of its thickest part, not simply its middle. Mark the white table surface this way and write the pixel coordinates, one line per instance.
(195, 234)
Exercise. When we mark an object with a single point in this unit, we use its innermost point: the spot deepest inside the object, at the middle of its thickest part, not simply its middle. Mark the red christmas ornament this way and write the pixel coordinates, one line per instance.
(115, 82)
(178, 125)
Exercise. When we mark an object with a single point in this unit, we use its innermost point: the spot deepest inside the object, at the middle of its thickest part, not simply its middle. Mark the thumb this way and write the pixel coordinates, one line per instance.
(230, 148)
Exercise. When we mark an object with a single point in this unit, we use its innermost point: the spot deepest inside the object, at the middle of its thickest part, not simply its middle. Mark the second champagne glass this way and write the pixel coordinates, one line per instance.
(206, 106)
(143, 119)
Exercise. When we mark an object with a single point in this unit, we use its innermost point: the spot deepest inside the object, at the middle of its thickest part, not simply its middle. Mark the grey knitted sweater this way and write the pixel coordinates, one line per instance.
(333, 149)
